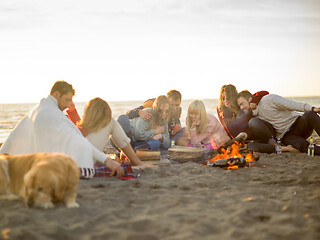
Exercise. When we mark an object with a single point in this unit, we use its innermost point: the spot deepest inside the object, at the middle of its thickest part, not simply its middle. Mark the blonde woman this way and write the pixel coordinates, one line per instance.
(204, 128)
(97, 125)
(153, 133)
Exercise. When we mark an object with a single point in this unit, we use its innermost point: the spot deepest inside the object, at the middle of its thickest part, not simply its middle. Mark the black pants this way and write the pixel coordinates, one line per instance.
(262, 133)
(301, 129)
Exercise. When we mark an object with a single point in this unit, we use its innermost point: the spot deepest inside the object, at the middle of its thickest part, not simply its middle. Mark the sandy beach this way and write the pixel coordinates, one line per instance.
(278, 198)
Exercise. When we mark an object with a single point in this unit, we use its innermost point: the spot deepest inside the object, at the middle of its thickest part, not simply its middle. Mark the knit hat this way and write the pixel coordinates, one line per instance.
(257, 96)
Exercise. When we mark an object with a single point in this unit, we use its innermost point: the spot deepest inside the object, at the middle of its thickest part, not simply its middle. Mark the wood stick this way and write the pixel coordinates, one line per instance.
(147, 155)
(241, 137)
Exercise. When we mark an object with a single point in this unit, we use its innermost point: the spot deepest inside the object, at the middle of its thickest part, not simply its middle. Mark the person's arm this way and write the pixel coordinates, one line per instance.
(284, 104)
(195, 137)
(166, 141)
(106, 160)
(73, 114)
(174, 123)
(141, 112)
(118, 135)
(123, 142)
(141, 129)
(134, 113)
(132, 156)
(179, 116)
(216, 130)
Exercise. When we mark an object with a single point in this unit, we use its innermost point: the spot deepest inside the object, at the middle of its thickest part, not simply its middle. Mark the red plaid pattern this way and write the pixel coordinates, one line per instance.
(104, 171)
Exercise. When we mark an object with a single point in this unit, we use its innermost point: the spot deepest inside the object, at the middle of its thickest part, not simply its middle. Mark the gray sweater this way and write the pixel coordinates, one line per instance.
(141, 131)
(280, 112)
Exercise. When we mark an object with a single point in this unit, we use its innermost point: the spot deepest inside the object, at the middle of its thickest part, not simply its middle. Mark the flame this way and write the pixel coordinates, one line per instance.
(249, 158)
(233, 152)
(214, 144)
(232, 167)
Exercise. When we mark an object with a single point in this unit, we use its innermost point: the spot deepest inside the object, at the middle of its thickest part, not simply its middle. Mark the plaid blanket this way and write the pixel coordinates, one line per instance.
(104, 171)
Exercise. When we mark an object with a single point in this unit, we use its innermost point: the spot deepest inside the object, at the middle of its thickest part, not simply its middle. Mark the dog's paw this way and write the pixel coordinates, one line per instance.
(47, 205)
(72, 205)
(9, 196)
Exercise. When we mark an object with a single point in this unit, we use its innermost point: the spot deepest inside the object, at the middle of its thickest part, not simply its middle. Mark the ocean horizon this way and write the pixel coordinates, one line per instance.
(12, 113)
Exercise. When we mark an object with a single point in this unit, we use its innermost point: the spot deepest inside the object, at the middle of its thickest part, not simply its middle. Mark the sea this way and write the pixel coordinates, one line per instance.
(11, 114)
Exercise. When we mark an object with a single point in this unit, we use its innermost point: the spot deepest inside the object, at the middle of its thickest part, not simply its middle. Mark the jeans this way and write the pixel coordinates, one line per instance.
(263, 135)
(262, 131)
(151, 144)
(125, 123)
(301, 129)
(182, 133)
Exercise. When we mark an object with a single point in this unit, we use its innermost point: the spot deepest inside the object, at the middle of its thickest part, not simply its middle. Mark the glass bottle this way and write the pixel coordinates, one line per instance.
(311, 148)
(278, 147)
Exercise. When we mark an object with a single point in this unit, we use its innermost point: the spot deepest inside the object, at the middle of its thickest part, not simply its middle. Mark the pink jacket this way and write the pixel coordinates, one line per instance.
(215, 131)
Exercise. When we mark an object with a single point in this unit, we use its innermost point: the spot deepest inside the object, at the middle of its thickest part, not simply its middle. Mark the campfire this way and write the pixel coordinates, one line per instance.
(235, 156)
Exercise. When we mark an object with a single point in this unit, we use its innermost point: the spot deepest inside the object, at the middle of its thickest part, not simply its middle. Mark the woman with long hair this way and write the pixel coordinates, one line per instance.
(153, 133)
(98, 125)
(204, 128)
(233, 120)
(227, 106)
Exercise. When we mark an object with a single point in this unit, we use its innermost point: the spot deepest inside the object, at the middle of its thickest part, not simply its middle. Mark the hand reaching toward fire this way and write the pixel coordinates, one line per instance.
(115, 167)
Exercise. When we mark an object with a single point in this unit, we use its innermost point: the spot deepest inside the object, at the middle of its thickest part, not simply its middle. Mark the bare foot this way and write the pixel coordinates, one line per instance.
(289, 148)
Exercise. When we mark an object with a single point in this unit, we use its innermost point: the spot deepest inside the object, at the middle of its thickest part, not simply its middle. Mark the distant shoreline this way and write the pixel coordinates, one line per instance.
(122, 101)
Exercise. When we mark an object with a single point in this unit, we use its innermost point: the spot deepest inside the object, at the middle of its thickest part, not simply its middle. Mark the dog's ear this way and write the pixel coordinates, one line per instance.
(4, 175)
(27, 181)
(28, 177)
(58, 185)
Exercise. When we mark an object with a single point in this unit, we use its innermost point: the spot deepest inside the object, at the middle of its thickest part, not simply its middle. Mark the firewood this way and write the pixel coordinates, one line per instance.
(148, 155)
(241, 137)
(184, 154)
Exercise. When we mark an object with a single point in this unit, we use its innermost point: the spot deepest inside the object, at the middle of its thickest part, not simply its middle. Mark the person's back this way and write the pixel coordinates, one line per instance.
(31, 133)
(141, 128)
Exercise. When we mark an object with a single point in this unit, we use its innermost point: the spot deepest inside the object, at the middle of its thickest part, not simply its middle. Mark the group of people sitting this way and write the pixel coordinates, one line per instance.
(156, 124)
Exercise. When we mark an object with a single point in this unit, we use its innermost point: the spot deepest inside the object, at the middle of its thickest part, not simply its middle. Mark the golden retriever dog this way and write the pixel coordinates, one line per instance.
(40, 179)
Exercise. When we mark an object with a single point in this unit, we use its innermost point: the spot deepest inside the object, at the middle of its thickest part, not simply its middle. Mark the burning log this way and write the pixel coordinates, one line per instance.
(238, 156)
(239, 161)
(240, 138)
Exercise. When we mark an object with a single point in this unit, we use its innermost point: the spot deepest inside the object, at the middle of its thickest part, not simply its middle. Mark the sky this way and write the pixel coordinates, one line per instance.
(140, 49)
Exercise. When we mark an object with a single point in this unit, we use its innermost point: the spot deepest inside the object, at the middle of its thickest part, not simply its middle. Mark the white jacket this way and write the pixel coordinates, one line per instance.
(47, 129)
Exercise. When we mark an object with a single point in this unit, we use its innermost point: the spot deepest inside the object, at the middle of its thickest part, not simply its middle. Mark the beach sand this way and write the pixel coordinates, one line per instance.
(278, 198)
